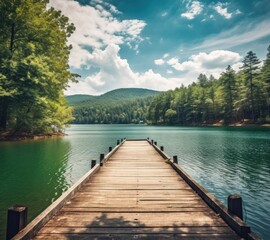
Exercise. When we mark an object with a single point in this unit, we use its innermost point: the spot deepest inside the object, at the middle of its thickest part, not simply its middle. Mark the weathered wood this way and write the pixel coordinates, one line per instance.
(175, 159)
(101, 159)
(155, 236)
(93, 163)
(140, 230)
(16, 220)
(241, 228)
(235, 205)
(136, 195)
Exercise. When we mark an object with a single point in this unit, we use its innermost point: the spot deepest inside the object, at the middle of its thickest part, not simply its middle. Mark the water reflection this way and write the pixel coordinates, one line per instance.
(32, 173)
(223, 160)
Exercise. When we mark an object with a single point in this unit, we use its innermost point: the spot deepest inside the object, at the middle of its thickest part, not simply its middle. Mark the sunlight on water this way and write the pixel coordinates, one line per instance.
(223, 160)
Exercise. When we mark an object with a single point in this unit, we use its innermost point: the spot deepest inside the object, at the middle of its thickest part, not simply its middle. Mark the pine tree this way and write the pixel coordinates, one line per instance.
(229, 88)
(250, 67)
(266, 77)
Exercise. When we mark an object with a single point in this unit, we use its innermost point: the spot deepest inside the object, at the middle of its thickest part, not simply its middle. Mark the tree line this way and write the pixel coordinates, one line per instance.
(34, 68)
(242, 96)
(134, 111)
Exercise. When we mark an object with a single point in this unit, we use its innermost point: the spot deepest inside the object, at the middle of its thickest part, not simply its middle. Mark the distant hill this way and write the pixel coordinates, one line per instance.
(74, 99)
(125, 105)
(112, 97)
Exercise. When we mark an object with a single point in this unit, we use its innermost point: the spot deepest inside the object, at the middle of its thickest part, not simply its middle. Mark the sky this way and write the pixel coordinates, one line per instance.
(160, 44)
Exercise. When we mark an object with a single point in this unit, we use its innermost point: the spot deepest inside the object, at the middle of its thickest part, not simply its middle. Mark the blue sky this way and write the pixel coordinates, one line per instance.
(160, 44)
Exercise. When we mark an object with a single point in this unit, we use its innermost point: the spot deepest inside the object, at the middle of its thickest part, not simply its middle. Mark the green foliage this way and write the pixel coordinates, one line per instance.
(231, 98)
(229, 92)
(78, 98)
(250, 67)
(34, 67)
(118, 106)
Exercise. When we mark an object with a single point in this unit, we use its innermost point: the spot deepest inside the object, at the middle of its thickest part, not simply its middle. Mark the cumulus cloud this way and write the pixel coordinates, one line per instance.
(208, 63)
(194, 8)
(159, 61)
(173, 61)
(115, 72)
(97, 27)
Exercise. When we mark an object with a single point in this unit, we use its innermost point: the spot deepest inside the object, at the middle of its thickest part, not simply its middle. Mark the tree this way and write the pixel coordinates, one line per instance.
(33, 65)
(265, 74)
(202, 79)
(250, 66)
(229, 89)
(170, 115)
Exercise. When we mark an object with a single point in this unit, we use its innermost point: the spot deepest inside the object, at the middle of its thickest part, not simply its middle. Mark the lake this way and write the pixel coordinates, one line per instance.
(225, 160)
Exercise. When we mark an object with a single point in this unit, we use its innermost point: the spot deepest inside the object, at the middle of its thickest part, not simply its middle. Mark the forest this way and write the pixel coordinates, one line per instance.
(235, 97)
(120, 106)
(34, 68)
(242, 96)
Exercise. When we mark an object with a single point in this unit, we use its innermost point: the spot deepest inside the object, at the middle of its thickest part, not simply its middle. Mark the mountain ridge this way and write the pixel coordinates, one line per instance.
(113, 96)
(124, 105)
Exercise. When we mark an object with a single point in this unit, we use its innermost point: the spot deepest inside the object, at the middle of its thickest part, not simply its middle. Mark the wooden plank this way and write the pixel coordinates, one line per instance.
(31, 229)
(136, 194)
(140, 230)
(135, 210)
(136, 236)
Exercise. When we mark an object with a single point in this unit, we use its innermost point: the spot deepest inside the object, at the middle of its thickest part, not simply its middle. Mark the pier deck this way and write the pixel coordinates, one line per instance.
(135, 194)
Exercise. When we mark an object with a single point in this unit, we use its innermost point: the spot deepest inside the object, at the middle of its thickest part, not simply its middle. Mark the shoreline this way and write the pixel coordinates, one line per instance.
(5, 137)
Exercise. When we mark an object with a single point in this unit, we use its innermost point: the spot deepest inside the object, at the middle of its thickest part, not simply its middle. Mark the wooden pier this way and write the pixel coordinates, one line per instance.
(138, 193)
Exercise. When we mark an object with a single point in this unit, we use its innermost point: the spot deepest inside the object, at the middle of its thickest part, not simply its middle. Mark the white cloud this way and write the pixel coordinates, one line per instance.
(209, 63)
(239, 35)
(165, 55)
(115, 72)
(173, 61)
(238, 12)
(164, 14)
(97, 27)
(222, 10)
(194, 8)
(159, 61)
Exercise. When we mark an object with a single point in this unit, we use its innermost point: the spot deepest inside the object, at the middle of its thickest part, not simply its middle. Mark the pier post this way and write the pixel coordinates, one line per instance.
(152, 141)
(110, 149)
(162, 148)
(93, 163)
(235, 205)
(101, 158)
(175, 159)
(16, 220)
(118, 142)
(155, 143)
(121, 139)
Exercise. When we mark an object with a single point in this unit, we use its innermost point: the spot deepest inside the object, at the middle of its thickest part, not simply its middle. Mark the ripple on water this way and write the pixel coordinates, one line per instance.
(223, 160)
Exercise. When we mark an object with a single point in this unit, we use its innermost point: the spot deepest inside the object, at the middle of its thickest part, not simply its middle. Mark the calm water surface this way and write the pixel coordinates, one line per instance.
(223, 160)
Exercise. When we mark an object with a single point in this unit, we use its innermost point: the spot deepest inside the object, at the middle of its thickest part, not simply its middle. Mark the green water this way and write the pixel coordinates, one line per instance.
(223, 160)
